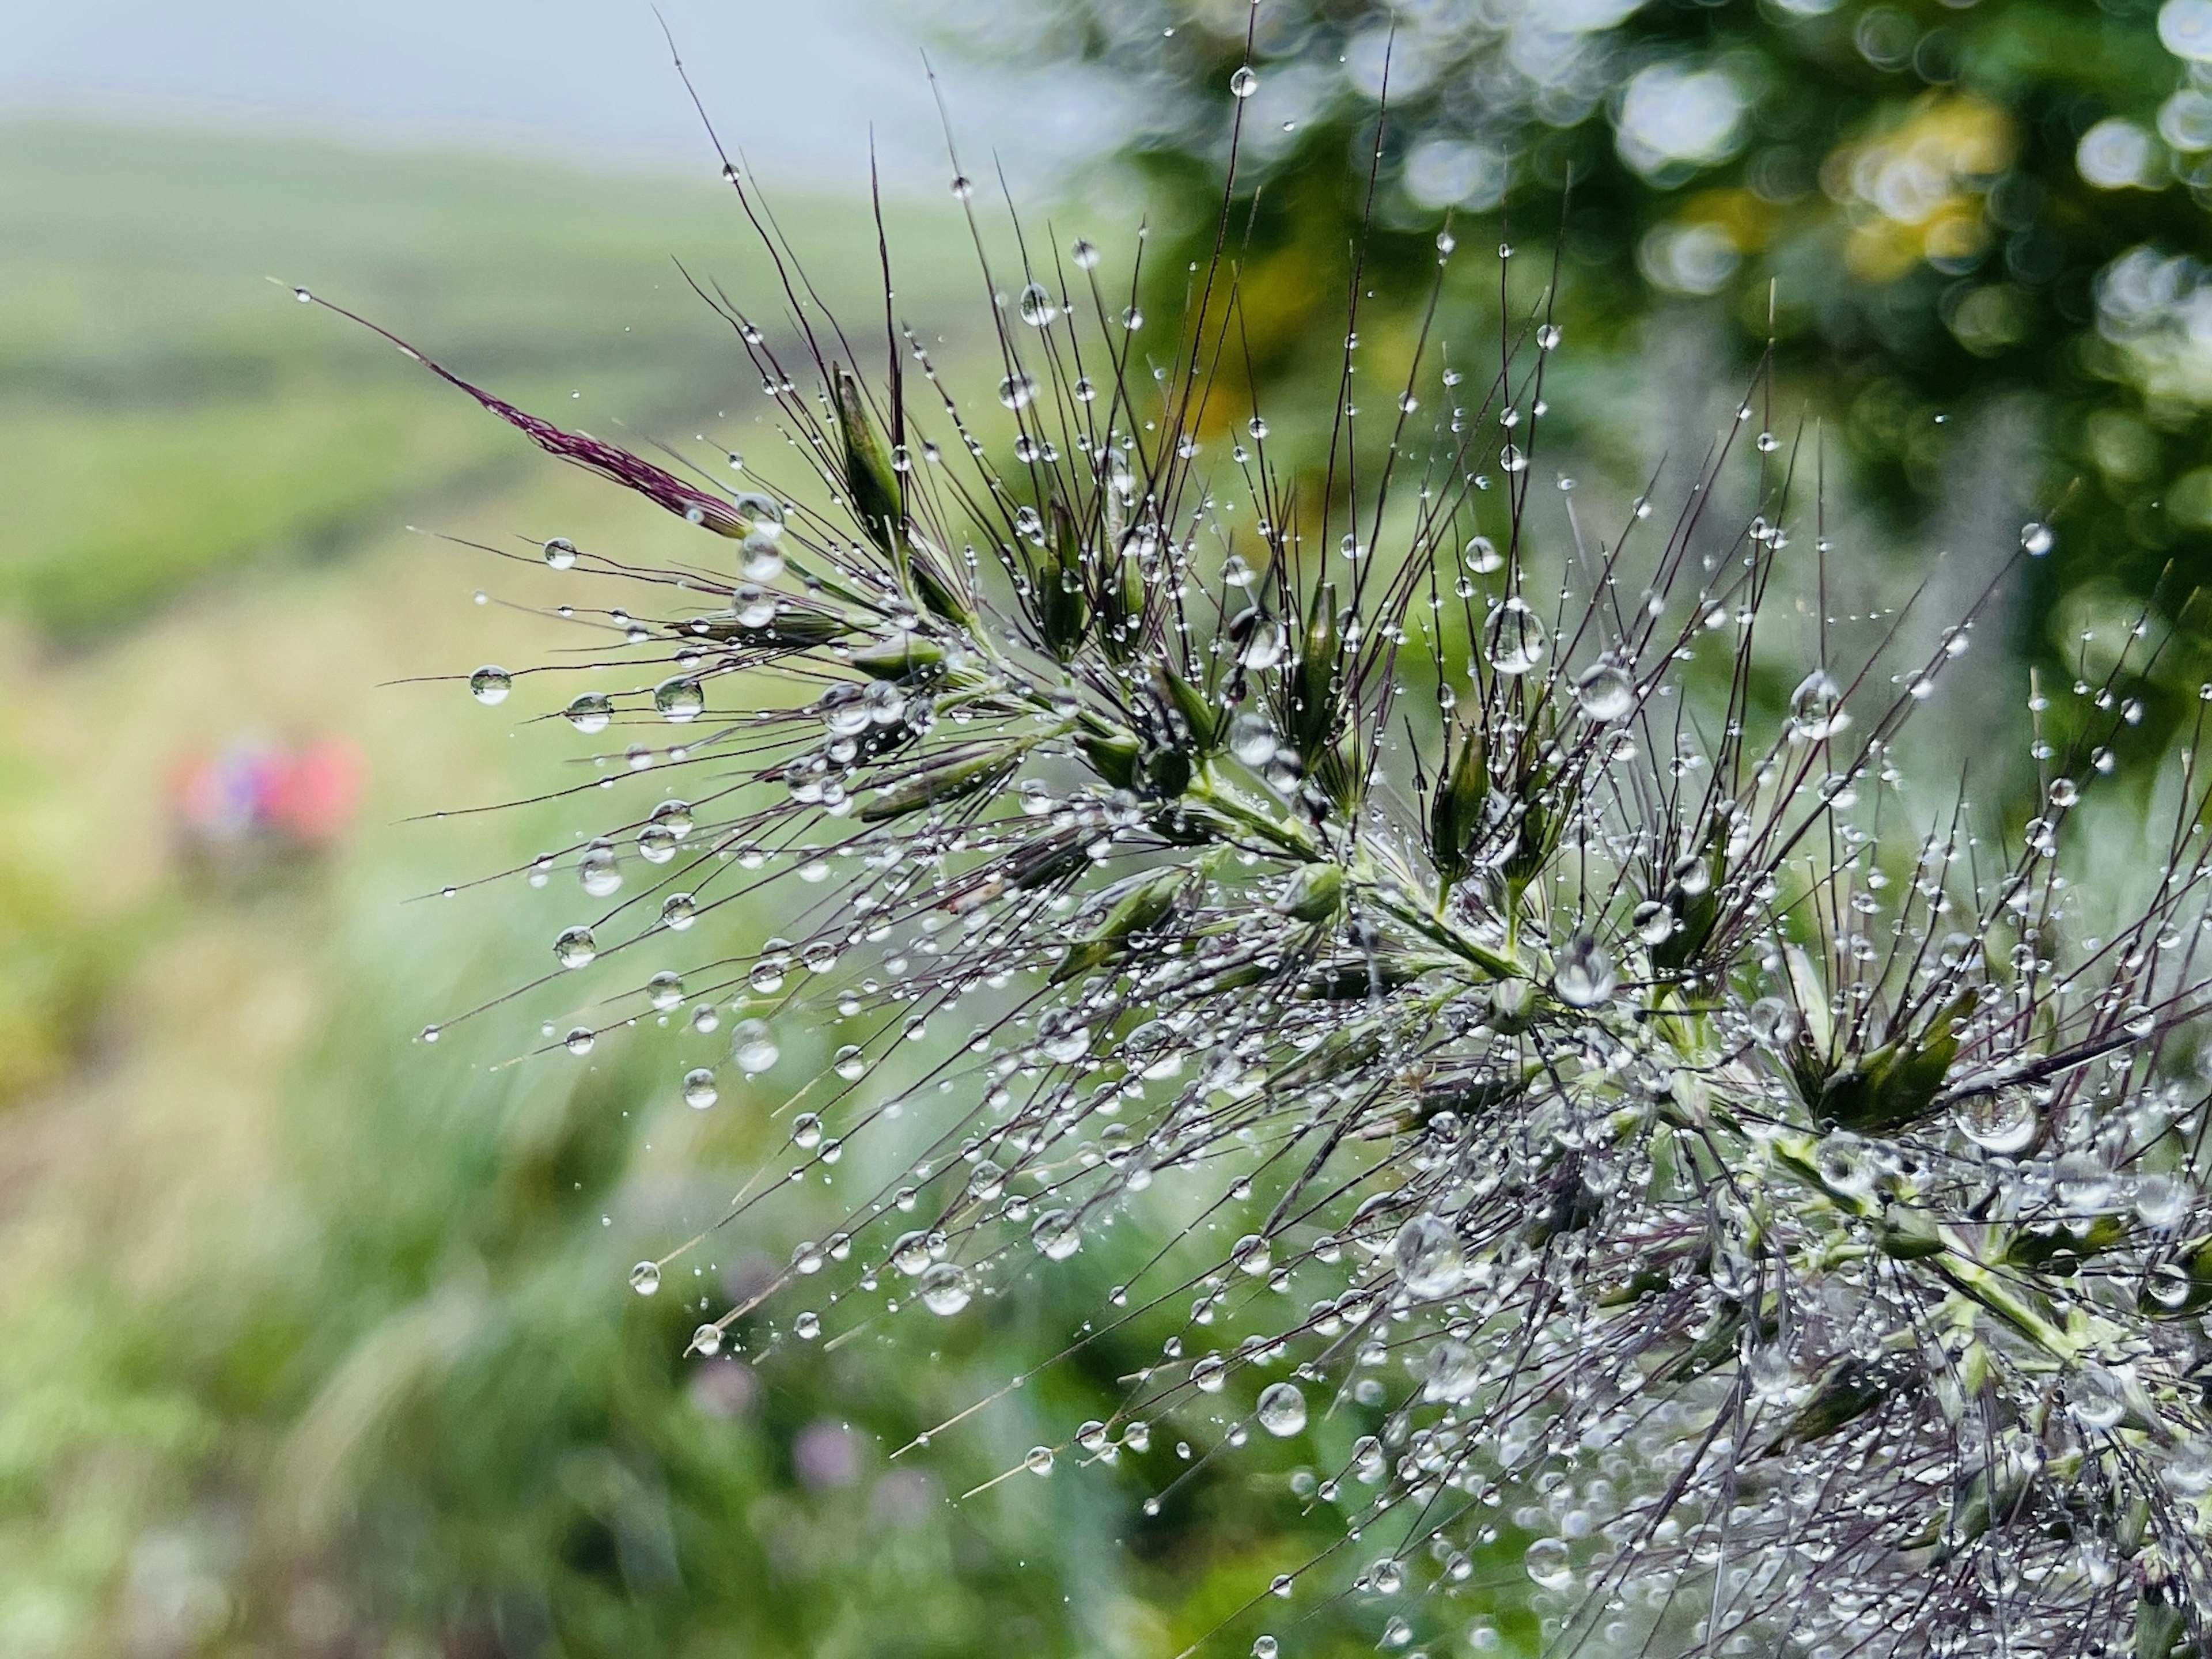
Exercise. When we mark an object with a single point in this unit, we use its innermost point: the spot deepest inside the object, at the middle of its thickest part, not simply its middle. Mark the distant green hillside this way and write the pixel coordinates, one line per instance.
(166, 415)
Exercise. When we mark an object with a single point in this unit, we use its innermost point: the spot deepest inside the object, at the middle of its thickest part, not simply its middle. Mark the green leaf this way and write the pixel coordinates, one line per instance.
(1142, 907)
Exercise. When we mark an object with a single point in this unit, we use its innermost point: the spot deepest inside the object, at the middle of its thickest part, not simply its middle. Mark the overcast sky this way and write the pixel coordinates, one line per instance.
(796, 82)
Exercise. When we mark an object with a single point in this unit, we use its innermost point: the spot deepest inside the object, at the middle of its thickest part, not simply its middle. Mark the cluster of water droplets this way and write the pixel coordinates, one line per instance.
(1765, 1230)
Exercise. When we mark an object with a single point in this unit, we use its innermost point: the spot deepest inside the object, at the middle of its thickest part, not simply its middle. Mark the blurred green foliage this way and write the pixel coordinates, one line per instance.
(1936, 209)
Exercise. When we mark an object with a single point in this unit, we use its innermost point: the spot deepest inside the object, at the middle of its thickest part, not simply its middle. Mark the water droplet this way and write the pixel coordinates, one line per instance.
(1583, 976)
(679, 911)
(489, 684)
(1039, 1460)
(2005, 1122)
(1426, 1253)
(1513, 638)
(753, 1046)
(2035, 539)
(560, 552)
(1482, 556)
(645, 1278)
(1773, 1023)
(1037, 306)
(591, 712)
(943, 1290)
(699, 1090)
(1816, 709)
(575, 947)
(1547, 1564)
(1282, 1410)
(596, 870)
(1244, 83)
(1017, 390)
(1057, 1234)
(1084, 253)
(1605, 692)
(680, 698)
(707, 1342)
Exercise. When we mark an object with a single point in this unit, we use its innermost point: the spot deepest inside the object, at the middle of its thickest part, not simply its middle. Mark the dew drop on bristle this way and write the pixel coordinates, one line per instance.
(1038, 306)
(1281, 1410)
(1816, 709)
(753, 1046)
(591, 712)
(1605, 692)
(2036, 539)
(576, 947)
(1513, 638)
(560, 552)
(645, 1278)
(597, 871)
(680, 698)
(1583, 976)
(490, 685)
(699, 1090)
(944, 1288)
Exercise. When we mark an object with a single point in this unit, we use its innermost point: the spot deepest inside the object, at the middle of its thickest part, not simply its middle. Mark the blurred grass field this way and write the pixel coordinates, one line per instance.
(319, 1338)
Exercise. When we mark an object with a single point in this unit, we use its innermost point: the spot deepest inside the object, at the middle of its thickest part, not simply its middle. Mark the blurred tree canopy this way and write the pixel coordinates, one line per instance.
(1933, 207)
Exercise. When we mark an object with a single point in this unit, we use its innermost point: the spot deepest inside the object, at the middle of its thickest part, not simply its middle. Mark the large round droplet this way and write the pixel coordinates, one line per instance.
(1244, 83)
(680, 698)
(1057, 1234)
(1547, 1564)
(590, 712)
(1583, 974)
(1604, 692)
(753, 1046)
(1426, 1253)
(489, 684)
(560, 552)
(1513, 638)
(597, 871)
(1816, 709)
(575, 947)
(699, 1090)
(1037, 305)
(944, 1288)
(1282, 1410)
(645, 1278)
(2005, 1122)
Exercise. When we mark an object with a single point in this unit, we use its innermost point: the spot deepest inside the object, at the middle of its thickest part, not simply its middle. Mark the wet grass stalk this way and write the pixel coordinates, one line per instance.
(1775, 1209)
